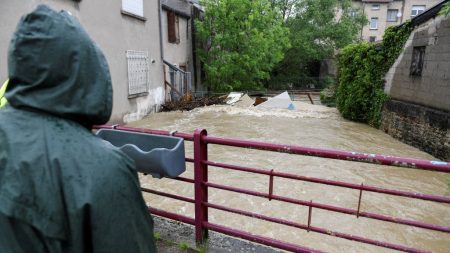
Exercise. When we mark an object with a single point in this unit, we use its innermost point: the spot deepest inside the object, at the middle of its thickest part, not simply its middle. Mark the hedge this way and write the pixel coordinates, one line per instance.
(361, 71)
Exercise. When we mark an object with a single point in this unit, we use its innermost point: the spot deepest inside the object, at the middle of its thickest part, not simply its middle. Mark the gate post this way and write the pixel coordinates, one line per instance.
(201, 190)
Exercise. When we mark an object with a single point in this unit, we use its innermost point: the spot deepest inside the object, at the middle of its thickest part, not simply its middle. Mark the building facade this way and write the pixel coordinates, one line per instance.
(136, 39)
(384, 13)
(418, 85)
(177, 47)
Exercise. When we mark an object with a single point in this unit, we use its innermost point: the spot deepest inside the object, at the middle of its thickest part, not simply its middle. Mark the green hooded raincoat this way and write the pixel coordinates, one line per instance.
(62, 189)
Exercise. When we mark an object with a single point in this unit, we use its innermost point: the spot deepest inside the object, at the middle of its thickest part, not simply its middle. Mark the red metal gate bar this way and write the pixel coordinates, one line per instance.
(283, 222)
(259, 239)
(316, 229)
(334, 208)
(201, 184)
(168, 195)
(184, 179)
(334, 154)
(173, 216)
(414, 195)
(201, 192)
(188, 137)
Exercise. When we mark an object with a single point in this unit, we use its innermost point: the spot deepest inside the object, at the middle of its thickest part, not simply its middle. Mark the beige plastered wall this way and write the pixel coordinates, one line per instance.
(115, 33)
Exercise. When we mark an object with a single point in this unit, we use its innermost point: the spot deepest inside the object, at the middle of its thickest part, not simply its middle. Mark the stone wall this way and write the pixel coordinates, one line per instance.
(419, 126)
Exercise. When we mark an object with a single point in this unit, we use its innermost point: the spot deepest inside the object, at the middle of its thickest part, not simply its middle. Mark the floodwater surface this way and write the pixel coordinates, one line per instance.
(310, 126)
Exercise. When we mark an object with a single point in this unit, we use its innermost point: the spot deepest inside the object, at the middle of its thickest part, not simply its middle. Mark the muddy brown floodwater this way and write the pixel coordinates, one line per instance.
(312, 126)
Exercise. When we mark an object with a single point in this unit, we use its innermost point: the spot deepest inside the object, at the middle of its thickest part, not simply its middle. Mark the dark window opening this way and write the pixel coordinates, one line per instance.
(417, 61)
(372, 38)
(173, 27)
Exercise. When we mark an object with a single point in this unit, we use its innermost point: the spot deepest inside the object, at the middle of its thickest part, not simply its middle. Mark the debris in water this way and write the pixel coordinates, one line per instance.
(281, 101)
(245, 102)
(233, 97)
(189, 104)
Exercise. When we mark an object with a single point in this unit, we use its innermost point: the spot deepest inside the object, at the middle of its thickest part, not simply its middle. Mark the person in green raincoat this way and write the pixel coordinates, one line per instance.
(3, 100)
(62, 189)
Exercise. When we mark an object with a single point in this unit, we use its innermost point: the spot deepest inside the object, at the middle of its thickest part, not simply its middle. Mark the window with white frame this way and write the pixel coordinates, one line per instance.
(392, 15)
(133, 7)
(417, 9)
(138, 72)
(375, 7)
(373, 23)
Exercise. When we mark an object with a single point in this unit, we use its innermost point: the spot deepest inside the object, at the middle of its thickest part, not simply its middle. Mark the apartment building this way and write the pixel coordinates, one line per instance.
(384, 13)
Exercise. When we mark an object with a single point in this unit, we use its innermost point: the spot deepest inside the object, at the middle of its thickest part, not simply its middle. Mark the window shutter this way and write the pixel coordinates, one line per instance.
(171, 27)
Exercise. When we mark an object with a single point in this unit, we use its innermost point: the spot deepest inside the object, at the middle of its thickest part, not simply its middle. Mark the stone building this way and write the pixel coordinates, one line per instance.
(418, 83)
(384, 13)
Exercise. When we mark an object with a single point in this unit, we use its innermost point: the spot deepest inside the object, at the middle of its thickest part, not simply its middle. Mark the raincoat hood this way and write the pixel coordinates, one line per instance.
(54, 67)
(62, 189)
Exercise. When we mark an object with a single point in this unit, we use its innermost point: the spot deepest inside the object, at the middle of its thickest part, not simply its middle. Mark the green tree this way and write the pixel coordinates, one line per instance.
(318, 28)
(286, 7)
(243, 40)
(445, 11)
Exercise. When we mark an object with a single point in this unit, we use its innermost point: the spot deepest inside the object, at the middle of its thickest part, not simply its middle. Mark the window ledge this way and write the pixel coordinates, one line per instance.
(126, 13)
(373, 28)
(138, 95)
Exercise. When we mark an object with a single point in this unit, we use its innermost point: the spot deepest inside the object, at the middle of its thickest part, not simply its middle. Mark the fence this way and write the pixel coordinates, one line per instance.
(180, 82)
(300, 82)
(201, 185)
(307, 95)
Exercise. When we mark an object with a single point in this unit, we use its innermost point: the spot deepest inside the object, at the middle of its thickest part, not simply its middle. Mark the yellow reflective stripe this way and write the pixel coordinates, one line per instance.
(3, 100)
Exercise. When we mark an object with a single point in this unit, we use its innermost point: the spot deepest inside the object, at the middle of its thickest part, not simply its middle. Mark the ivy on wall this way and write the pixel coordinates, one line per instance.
(361, 71)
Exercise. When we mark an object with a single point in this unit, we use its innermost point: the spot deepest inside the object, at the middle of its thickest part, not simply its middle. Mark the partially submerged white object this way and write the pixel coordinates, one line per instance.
(281, 101)
(245, 102)
(233, 97)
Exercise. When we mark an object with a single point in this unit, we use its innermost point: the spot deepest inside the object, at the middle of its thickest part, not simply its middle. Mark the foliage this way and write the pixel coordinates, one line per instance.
(183, 246)
(157, 236)
(361, 69)
(286, 7)
(328, 95)
(243, 40)
(445, 11)
(316, 33)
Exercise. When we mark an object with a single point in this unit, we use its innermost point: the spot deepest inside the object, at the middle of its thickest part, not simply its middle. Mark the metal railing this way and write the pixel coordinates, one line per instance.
(201, 185)
(180, 81)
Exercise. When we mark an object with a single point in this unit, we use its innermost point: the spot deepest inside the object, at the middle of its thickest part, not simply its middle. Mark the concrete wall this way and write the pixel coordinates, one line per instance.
(432, 89)
(419, 110)
(114, 33)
